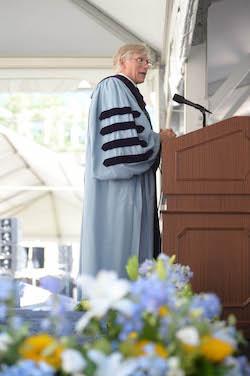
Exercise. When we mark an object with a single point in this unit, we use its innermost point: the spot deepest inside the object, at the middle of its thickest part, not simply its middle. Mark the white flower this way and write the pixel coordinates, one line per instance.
(112, 364)
(5, 341)
(174, 367)
(188, 335)
(72, 361)
(104, 292)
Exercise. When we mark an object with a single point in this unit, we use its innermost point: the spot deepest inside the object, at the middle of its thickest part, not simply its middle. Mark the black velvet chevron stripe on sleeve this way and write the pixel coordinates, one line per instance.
(131, 141)
(118, 111)
(121, 127)
(133, 158)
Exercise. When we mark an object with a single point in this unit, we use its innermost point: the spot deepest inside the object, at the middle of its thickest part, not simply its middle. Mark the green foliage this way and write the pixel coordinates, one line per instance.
(83, 305)
(160, 269)
(187, 291)
(132, 268)
(205, 368)
(151, 326)
(103, 345)
(113, 329)
(119, 325)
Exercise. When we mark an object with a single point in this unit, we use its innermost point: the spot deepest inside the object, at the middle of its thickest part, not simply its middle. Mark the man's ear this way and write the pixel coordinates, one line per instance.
(121, 62)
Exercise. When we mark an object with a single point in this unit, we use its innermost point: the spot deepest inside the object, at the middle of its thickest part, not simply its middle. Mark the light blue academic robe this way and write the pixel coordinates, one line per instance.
(119, 198)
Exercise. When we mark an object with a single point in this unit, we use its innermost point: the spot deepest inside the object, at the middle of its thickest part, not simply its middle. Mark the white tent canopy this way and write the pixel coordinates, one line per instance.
(42, 190)
(85, 34)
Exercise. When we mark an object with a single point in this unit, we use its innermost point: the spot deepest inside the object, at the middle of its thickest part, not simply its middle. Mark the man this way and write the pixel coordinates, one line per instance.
(119, 215)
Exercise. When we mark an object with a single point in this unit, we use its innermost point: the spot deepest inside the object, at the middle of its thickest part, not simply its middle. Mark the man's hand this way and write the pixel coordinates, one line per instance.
(167, 133)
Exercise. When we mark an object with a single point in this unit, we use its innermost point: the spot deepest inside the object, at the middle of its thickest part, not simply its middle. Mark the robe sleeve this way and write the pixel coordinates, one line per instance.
(121, 139)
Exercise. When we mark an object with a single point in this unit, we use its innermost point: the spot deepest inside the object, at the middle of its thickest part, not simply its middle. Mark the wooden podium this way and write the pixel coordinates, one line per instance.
(206, 210)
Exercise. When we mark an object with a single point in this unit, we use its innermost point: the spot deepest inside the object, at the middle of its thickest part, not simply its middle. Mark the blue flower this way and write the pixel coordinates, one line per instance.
(51, 323)
(243, 365)
(146, 268)
(28, 368)
(16, 322)
(3, 311)
(239, 366)
(208, 304)
(6, 288)
(151, 293)
(129, 324)
(180, 275)
(164, 327)
(177, 274)
(150, 366)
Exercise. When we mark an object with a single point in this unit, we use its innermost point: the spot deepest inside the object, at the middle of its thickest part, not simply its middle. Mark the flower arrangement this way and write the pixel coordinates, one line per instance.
(150, 325)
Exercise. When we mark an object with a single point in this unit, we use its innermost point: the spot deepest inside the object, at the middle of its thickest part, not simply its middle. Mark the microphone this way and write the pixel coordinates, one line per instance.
(179, 99)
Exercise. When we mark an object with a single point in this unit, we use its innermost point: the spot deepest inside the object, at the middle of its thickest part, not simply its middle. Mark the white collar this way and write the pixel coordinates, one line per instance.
(124, 75)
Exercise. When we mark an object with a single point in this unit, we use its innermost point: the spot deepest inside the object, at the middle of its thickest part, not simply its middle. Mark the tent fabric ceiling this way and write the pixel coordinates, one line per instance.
(29, 189)
(227, 45)
(51, 28)
(228, 58)
(146, 18)
(60, 28)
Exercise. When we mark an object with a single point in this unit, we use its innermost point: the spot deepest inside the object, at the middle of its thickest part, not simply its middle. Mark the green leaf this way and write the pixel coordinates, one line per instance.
(132, 268)
(160, 269)
(205, 368)
(172, 259)
(126, 347)
(103, 345)
(231, 320)
(150, 328)
(187, 291)
(83, 305)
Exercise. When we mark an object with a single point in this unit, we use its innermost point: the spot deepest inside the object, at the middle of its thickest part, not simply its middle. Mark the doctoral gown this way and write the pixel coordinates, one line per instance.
(119, 218)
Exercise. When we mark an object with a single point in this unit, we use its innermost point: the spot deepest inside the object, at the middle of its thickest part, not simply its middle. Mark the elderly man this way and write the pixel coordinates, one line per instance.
(119, 215)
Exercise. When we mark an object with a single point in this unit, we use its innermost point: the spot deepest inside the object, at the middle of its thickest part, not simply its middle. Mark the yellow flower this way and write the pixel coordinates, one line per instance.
(161, 351)
(214, 349)
(139, 348)
(133, 335)
(42, 348)
(163, 311)
(189, 348)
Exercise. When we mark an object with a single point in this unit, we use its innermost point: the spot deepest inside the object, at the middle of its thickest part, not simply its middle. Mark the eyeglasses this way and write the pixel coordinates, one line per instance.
(141, 61)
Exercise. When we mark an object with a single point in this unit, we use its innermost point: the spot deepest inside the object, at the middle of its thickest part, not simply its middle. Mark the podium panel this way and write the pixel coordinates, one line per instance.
(206, 211)
(212, 160)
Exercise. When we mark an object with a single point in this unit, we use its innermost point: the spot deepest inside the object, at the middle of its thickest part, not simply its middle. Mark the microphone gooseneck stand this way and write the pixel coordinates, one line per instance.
(179, 99)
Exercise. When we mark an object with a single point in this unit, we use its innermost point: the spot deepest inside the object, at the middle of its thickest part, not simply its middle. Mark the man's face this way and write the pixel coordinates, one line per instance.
(135, 67)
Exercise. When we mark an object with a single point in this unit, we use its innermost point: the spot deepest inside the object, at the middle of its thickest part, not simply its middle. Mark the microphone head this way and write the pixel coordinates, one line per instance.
(178, 98)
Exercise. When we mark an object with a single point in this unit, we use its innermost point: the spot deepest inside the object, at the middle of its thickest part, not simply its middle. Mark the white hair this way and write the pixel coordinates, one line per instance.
(127, 50)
